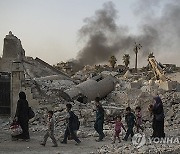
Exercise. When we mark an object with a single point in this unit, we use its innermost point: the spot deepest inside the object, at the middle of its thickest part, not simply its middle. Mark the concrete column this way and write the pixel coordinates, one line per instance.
(17, 76)
(91, 89)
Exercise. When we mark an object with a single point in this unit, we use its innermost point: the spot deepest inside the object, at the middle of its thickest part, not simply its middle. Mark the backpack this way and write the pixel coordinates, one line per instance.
(75, 121)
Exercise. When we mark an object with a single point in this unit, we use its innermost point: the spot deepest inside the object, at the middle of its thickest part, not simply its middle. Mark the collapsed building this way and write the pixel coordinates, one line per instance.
(28, 74)
(20, 69)
(49, 88)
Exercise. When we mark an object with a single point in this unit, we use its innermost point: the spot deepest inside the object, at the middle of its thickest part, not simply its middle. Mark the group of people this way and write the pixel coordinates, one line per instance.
(156, 110)
(131, 119)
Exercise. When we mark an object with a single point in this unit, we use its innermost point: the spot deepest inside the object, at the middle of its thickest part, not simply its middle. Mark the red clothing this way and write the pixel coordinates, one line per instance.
(118, 126)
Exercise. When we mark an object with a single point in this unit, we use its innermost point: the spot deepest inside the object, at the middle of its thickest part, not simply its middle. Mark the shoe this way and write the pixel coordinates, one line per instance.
(99, 140)
(77, 143)
(124, 139)
(62, 142)
(55, 145)
(14, 139)
(42, 144)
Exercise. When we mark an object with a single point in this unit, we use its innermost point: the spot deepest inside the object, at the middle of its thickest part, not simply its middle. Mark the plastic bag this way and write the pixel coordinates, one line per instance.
(15, 128)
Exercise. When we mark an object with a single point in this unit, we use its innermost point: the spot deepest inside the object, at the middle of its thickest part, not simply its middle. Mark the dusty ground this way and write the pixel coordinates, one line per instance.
(7, 146)
(88, 145)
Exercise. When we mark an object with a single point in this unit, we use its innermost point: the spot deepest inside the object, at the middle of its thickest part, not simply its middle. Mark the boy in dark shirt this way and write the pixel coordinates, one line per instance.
(98, 126)
(130, 120)
(70, 128)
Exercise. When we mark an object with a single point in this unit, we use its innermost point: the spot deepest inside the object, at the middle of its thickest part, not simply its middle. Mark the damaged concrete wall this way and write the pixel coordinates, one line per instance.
(12, 50)
(169, 85)
(12, 47)
(17, 76)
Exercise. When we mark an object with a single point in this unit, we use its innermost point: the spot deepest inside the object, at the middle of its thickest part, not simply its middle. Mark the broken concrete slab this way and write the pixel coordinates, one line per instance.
(90, 89)
(169, 85)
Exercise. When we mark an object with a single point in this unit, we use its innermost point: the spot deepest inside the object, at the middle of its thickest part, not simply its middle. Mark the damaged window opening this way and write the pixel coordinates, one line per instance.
(5, 93)
(82, 99)
(97, 78)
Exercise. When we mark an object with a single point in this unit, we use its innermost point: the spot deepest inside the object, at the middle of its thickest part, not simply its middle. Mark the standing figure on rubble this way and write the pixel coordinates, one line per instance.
(130, 120)
(158, 118)
(72, 125)
(22, 117)
(98, 126)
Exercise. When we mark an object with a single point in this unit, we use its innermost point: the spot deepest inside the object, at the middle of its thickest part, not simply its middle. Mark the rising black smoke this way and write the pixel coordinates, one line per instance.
(104, 38)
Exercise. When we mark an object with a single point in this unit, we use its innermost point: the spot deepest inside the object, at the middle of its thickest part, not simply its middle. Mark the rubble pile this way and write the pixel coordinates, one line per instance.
(48, 85)
(128, 147)
(130, 90)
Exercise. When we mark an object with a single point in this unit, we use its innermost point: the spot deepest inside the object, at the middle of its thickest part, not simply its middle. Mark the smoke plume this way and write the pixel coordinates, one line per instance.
(103, 38)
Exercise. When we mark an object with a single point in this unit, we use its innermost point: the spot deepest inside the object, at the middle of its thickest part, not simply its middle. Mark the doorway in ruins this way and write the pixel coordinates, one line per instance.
(5, 101)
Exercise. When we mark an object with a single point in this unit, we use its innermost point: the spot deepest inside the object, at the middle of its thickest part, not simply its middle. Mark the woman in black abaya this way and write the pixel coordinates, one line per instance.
(158, 118)
(22, 116)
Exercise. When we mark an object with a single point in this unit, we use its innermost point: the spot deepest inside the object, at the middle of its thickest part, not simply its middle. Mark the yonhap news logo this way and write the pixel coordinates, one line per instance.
(140, 140)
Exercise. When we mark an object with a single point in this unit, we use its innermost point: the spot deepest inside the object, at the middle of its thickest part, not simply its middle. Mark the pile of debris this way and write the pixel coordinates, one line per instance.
(117, 87)
(131, 91)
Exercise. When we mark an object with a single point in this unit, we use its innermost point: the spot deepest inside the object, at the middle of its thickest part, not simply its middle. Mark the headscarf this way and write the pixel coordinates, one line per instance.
(158, 101)
(22, 95)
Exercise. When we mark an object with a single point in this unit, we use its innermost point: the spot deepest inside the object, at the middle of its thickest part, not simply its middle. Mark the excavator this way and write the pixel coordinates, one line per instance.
(157, 69)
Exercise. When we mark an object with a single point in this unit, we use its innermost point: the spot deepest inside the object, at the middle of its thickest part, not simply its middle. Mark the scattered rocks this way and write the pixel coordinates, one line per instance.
(130, 91)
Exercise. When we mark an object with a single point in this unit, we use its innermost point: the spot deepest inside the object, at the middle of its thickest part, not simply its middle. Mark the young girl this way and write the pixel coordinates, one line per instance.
(138, 119)
(118, 126)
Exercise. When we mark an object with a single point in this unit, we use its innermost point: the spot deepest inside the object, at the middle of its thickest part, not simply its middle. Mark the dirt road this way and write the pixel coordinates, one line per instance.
(87, 146)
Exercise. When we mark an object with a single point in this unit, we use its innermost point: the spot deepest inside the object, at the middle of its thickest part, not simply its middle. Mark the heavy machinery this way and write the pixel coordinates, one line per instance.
(157, 69)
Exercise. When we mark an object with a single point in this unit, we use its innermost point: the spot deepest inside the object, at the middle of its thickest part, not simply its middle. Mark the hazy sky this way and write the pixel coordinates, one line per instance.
(48, 29)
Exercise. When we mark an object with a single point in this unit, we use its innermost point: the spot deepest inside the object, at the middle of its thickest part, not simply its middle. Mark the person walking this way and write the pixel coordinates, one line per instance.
(158, 118)
(118, 126)
(138, 119)
(71, 127)
(50, 130)
(98, 126)
(22, 117)
(130, 120)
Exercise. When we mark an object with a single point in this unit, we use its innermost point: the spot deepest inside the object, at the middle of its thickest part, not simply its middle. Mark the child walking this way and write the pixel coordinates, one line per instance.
(138, 119)
(118, 126)
(130, 120)
(50, 130)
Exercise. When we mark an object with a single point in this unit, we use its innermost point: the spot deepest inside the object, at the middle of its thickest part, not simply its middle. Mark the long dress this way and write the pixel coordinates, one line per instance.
(23, 119)
(158, 120)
